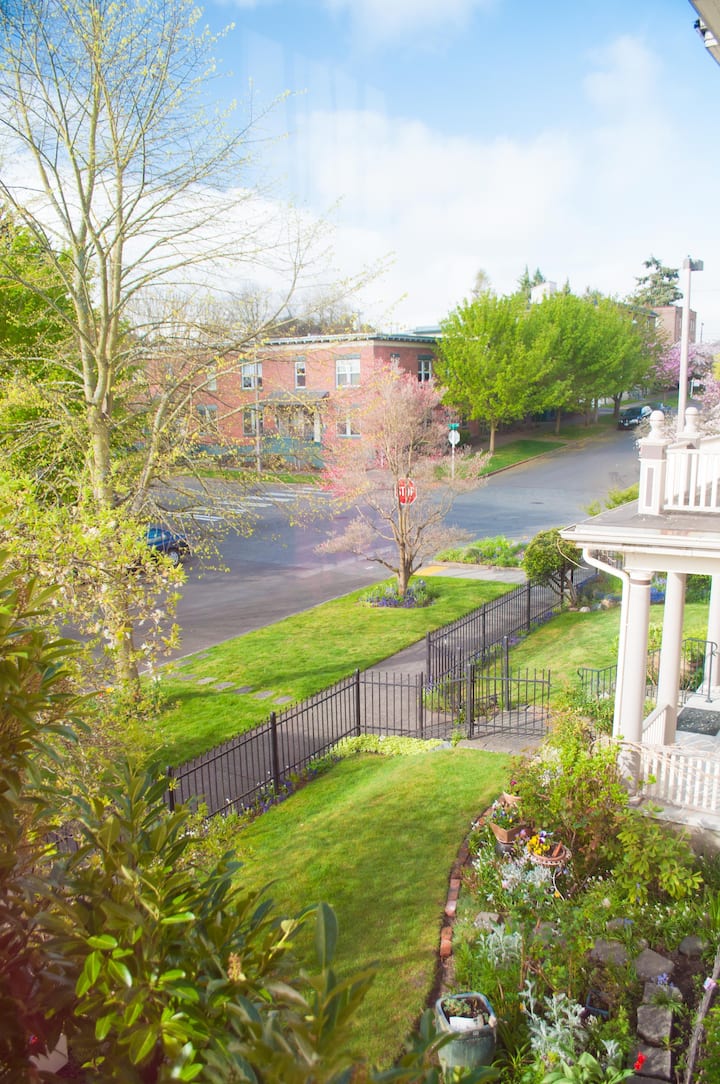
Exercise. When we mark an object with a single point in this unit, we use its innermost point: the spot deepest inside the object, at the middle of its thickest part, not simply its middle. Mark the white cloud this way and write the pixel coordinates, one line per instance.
(584, 203)
(626, 80)
(384, 19)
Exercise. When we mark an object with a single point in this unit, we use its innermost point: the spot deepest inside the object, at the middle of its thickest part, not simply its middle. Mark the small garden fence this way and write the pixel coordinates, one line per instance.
(247, 770)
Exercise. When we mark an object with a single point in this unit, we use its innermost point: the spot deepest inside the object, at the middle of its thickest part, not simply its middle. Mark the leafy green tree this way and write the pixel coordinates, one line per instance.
(35, 309)
(589, 348)
(551, 560)
(482, 364)
(659, 286)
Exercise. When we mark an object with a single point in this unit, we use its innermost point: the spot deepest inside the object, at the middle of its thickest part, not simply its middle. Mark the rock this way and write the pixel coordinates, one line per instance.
(608, 952)
(657, 1064)
(654, 990)
(649, 965)
(654, 1024)
(692, 946)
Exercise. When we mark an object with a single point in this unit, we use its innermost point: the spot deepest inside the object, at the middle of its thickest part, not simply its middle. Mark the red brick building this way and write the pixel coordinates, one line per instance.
(287, 386)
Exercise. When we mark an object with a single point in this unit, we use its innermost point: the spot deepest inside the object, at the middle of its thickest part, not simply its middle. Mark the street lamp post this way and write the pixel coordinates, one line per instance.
(688, 267)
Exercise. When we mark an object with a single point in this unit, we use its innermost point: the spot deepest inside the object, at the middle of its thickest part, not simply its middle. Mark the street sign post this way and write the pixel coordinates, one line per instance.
(406, 491)
(454, 438)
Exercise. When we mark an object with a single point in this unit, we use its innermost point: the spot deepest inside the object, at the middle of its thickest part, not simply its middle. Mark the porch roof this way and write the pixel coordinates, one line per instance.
(677, 541)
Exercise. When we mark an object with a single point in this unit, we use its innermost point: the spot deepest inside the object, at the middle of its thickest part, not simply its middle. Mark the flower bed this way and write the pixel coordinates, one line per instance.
(561, 950)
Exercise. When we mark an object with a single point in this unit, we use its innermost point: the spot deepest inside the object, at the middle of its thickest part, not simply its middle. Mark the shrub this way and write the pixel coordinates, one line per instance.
(498, 551)
(416, 594)
(574, 790)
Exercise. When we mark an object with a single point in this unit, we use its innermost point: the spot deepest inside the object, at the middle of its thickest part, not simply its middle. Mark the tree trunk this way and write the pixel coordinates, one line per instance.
(558, 415)
(491, 444)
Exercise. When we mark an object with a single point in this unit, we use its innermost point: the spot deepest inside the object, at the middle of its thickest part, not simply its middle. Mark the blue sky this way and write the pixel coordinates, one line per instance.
(463, 134)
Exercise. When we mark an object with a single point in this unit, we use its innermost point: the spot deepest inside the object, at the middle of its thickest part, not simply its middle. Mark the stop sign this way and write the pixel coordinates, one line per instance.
(406, 492)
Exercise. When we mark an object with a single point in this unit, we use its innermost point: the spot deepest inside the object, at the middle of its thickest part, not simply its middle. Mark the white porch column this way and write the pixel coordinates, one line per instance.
(713, 629)
(671, 651)
(632, 664)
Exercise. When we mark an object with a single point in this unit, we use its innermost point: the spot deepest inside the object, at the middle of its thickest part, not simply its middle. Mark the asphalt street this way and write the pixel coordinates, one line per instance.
(276, 571)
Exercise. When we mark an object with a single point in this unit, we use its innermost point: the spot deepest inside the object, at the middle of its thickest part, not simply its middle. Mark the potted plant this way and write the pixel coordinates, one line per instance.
(543, 850)
(505, 820)
(470, 1020)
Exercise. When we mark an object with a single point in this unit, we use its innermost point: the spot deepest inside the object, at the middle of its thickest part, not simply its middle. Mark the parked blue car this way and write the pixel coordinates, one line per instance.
(171, 545)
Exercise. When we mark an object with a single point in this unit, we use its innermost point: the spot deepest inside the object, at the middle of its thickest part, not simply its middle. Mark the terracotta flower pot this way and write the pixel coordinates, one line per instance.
(506, 835)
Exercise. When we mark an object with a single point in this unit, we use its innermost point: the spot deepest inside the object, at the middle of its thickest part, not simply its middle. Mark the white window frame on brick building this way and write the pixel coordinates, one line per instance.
(250, 375)
(347, 427)
(424, 367)
(251, 417)
(347, 371)
(300, 373)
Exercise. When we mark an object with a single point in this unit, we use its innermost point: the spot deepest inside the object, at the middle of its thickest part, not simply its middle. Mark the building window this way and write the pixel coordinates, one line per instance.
(347, 427)
(300, 373)
(395, 361)
(251, 375)
(211, 378)
(207, 413)
(347, 371)
(425, 367)
(252, 419)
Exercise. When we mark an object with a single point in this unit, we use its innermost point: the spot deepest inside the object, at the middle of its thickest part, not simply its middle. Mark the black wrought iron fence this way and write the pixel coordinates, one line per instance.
(244, 771)
(468, 686)
(477, 635)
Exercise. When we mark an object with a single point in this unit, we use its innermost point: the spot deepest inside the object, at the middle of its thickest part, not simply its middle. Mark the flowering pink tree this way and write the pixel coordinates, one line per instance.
(394, 428)
(666, 370)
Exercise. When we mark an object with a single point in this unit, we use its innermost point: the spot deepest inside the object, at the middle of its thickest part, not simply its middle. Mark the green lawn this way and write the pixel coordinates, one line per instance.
(295, 658)
(376, 838)
(572, 640)
(507, 455)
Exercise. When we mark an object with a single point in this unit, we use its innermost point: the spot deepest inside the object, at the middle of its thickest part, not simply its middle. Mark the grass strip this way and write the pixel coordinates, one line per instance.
(293, 659)
(517, 451)
(376, 838)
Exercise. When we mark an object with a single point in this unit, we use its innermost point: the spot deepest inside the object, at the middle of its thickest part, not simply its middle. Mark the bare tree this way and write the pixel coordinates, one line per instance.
(134, 190)
(391, 432)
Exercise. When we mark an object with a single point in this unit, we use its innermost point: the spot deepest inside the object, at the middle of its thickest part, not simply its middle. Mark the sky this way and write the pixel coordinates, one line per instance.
(449, 136)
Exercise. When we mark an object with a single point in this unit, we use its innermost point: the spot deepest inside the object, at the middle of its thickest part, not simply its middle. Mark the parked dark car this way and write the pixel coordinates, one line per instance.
(633, 415)
(171, 545)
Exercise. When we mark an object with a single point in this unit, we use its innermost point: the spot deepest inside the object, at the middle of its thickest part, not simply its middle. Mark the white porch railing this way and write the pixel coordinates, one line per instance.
(692, 480)
(654, 726)
(677, 776)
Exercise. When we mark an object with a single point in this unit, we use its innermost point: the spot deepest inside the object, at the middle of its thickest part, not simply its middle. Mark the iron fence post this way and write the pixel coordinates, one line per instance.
(171, 789)
(421, 705)
(470, 698)
(274, 756)
(507, 699)
(358, 720)
(428, 663)
(529, 607)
